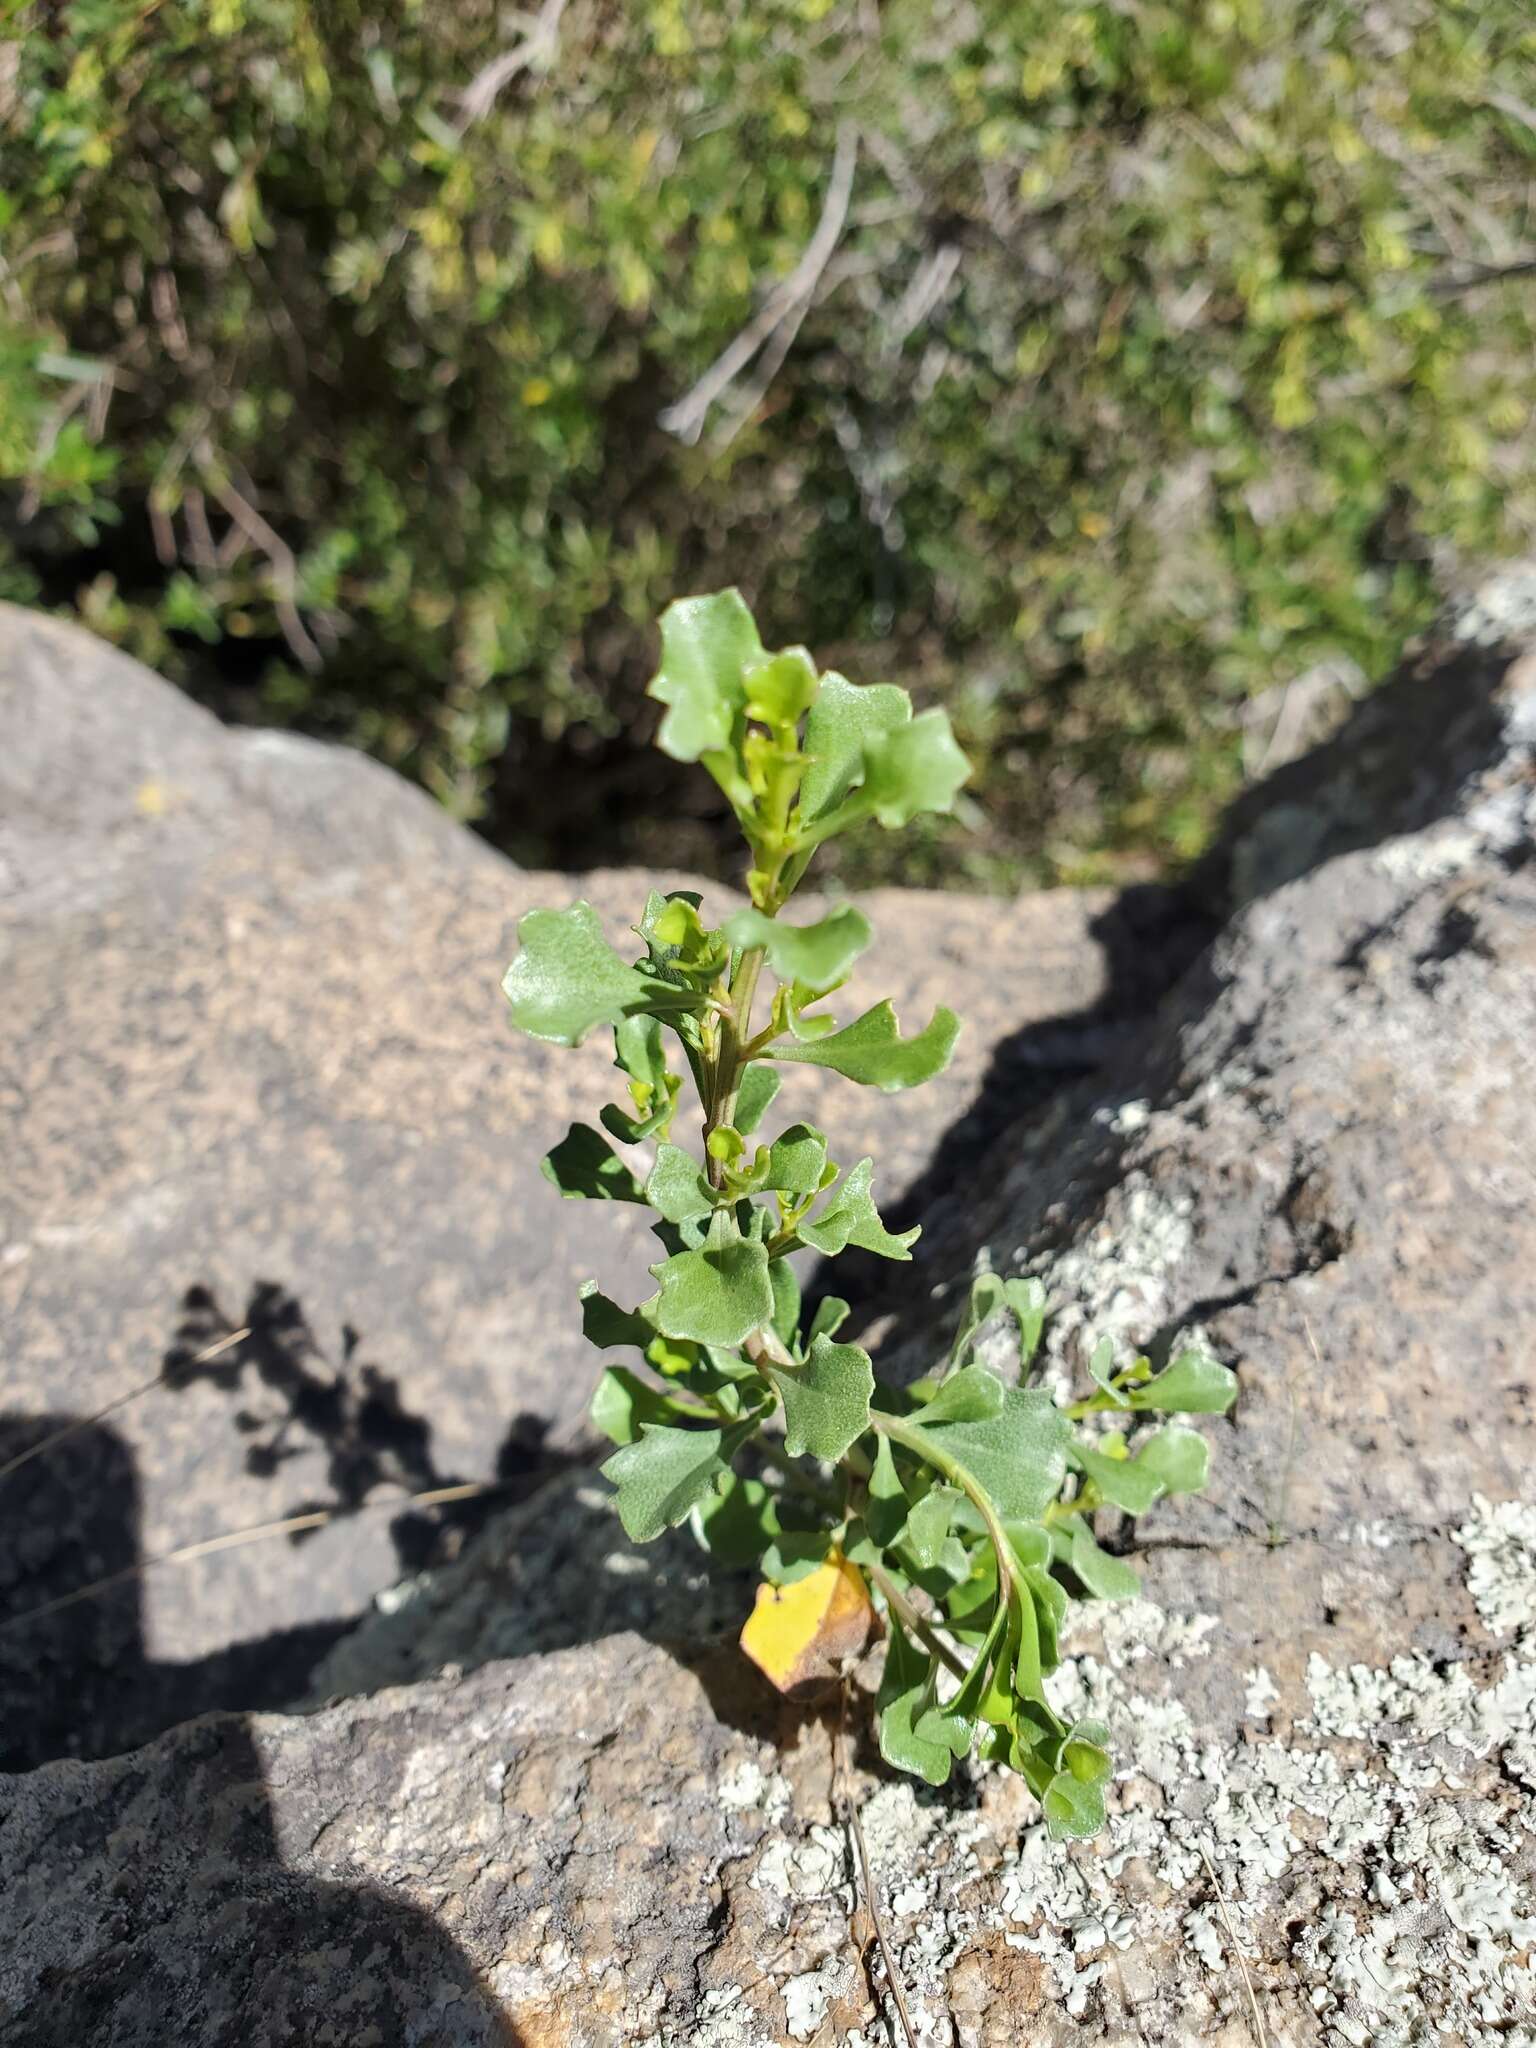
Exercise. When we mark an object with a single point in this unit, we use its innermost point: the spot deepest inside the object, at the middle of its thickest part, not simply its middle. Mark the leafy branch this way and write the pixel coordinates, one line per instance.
(962, 1505)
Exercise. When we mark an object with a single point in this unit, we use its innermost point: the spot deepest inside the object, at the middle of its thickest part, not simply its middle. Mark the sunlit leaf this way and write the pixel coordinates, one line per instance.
(1018, 1456)
(816, 955)
(780, 689)
(851, 1218)
(829, 1317)
(1125, 1482)
(1073, 1810)
(1027, 1300)
(677, 1187)
(872, 1051)
(967, 1396)
(913, 768)
(1179, 1458)
(1194, 1384)
(826, 1401)
(928, 1524)
(1105, 1577)
(706, 642)
(796, 1161)
(567, 979)
(845, 718)
(717, 1294)
(1101, 1369)
(1085, 1753)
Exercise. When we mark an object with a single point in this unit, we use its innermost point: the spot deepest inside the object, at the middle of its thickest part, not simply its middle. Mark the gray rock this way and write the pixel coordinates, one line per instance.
(1323, 1160)
(406, 1870)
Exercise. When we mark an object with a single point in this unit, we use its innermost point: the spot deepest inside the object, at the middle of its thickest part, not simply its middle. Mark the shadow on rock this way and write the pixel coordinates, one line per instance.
(208, 1937)
(294, 1400)
(1399, 762)
(74, 1678)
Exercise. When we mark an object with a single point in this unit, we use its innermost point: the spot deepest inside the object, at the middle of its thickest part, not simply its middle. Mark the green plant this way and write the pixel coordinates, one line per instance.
(964, 1502)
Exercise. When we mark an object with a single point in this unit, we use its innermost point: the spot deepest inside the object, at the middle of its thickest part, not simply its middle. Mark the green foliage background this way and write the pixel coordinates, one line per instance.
(1166, 350)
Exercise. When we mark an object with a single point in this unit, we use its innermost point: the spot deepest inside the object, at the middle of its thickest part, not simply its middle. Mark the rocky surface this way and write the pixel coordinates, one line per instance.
(1324, 1156)
(255, 1049)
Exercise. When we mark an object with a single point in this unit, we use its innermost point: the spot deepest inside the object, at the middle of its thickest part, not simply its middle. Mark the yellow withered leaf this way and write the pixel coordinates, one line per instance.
(799, 1635)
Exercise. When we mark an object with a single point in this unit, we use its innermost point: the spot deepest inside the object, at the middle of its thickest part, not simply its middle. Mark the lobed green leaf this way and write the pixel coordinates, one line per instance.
(677, 1188)
(816, 955)
(1105, 1577)
(717, 1294)
(1018, 1456)
(851, 1218)
(706, 644)
(971, 1395)
(845, 719)
(567, 979)
(872, 1051)
(665, 1473)
(1194, 1384)
(913, 768)
(908, 1691)
(826, 1401)
(797, 1160)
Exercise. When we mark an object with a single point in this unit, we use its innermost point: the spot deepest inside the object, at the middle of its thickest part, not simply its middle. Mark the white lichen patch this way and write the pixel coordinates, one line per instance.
(808, 1997)
(1375, 1862)
(1116, 1283)
(1260, 1694)
(1501, 1544)
(748, 1788)
(809, 1868)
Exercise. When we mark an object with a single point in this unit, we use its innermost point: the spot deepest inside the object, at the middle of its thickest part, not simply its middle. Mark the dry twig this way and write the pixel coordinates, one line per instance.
(533, 51)
(866, 1879)
(787, 302)
(1260, 2031)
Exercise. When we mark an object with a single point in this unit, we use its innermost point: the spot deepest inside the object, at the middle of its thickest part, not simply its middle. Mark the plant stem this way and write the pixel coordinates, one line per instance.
(903, 1432)
(736, 1046)
(914, 1623)
(764, 1343)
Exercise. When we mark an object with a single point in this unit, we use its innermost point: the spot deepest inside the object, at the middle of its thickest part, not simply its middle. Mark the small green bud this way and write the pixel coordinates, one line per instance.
(726, 1143)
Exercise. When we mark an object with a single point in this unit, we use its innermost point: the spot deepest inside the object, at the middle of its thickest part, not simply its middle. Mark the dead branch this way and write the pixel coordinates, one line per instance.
(535, 50)
(788, 301)
(280, 557)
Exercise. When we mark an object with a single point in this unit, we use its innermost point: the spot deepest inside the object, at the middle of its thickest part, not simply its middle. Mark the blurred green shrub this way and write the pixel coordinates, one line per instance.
(1164, 351)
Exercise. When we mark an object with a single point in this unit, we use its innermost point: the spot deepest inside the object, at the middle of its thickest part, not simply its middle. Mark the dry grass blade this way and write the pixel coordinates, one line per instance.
(260, 1532)
(70, 1429)
(1261, 2032)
